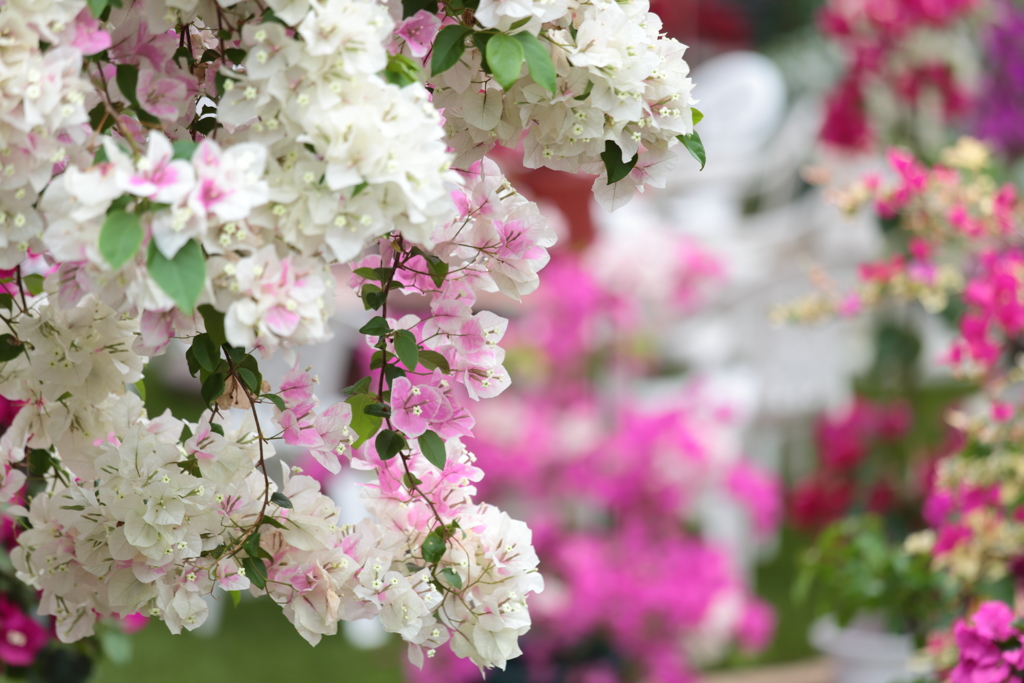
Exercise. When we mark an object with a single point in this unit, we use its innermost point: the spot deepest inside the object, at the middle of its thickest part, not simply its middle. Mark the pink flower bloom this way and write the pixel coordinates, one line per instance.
(431, 405)
(419, 32)
(21, 638)
(89, 39)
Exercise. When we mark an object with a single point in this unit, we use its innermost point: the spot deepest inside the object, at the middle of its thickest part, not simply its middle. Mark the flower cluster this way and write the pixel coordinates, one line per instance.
(557, 449)
(991, 645)
(199, 171)
(910, 67)
(607, 94)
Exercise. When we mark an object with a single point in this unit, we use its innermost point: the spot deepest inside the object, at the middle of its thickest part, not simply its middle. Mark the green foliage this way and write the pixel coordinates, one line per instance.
(432, 447)
(449, 46)
(183, 277)
(407, 348)
(120, 238)
(612, 158)
(505, 57)
(401, 71)
(695, 147)
(363, 424)
(433, 547)
(10, 347)
(854, 567)
(411, 7)
(281, 500)
(538, 61)
(389, 444)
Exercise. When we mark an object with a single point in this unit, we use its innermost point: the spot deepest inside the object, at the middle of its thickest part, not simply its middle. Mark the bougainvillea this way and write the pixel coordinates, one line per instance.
(910, 66)
(197, 170)
(613, 488)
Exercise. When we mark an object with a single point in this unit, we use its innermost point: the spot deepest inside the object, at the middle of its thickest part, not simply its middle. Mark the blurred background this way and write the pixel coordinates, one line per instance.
(675, 451)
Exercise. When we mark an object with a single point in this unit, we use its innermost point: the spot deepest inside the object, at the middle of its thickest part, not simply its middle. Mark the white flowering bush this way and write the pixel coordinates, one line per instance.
(195, 170)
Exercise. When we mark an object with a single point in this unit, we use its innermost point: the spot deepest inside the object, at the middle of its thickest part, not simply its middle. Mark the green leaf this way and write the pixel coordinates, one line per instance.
(236, 598)
(521, 22)
(140, 386)
(407, 348)
(99, 119)
(612, 158)
(183, 277)
(362, 424)
(410, 480)
(183, 149)
(505, 57)
(7, 301)
(39, 462)
(695, 147)
(10, 347)
(120, 238)
(213, 388)
(206, 352)
(432, 447)
(378, 410)
(452, 577)
(274, 523)
(377, 327)
(255, 571)
(209, 56)
(411, 7)
(448, 48)
(281, 500)
(393, 372)
(276, 400)
(127, 77)
(433, 548)
(389, 444)
(432, 359)
(34, 284)
(214, 321)
(236, 55)
(252, 383)
(97, 7)
(401, 71)
(698, 115)
(586, 93)
(538, 61)
(367, 273)
(373, 297)
(438, 270)
(360, 387)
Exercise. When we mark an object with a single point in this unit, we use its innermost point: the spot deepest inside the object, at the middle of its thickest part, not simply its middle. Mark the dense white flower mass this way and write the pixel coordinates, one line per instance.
(198, 169)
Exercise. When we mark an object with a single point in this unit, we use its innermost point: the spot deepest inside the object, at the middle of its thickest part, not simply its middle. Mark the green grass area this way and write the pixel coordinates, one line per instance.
(256, 644)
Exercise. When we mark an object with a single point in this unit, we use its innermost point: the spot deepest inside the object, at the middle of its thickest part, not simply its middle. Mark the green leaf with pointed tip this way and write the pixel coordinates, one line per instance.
(448, 48)
(10, 347)
(432, 359)
(127, 77)
(698, 115)
(505, 56)
(695, 147)
(214, 321)
(432, 447)
(452, 577)
(276, 400)
(433, 548)
(183, 277)
(612, 158)
(377, 327)
(281, 500)
(389, 444)
(407, 348)
(34, 283)
(255, 571)
(538, 61)
(362, 424)
(120, 238)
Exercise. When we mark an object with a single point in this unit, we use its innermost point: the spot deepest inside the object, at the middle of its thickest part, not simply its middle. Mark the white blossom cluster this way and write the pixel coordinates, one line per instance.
(618, 80)
(195, 169)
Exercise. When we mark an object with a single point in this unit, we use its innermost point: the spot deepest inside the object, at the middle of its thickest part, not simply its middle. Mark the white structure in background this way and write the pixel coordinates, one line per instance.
(750, 208)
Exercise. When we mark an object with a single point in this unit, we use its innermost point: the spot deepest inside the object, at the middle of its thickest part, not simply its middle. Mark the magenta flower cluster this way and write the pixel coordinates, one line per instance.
(991, 644)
